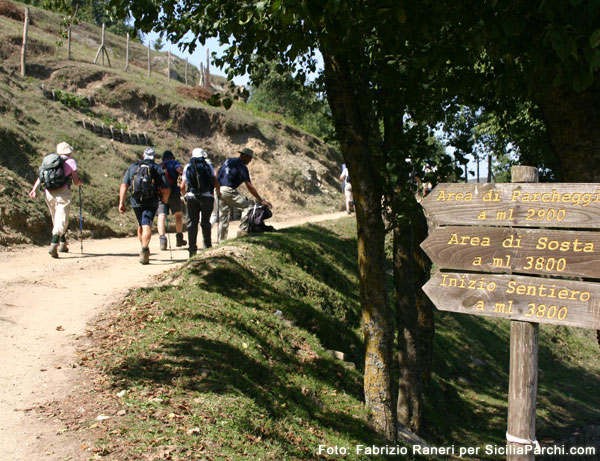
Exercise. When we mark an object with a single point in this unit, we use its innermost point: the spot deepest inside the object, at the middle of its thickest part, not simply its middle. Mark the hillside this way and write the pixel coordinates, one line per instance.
(293, 170)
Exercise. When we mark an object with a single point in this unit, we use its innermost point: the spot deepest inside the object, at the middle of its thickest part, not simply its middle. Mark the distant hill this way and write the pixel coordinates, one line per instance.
(63, 100)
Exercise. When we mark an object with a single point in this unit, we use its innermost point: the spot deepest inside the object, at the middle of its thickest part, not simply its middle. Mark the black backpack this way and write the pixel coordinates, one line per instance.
(200, 176)
(52, 172)
(256, 220)
(143, 186)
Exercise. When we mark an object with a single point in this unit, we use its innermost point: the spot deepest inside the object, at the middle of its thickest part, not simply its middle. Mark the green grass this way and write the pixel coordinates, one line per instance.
(210, 369)
(205, 367)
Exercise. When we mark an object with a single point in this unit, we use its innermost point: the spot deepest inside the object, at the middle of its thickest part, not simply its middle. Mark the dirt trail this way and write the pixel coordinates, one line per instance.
(45, 305)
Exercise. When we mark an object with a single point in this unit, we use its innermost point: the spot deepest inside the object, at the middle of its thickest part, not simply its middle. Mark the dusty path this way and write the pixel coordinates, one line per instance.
(45, 305)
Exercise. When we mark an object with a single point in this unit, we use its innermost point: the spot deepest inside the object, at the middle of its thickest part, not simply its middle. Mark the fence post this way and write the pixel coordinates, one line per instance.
(24, 46)
(523, 375)
(69, 42)
(127, 54)
(148, 58)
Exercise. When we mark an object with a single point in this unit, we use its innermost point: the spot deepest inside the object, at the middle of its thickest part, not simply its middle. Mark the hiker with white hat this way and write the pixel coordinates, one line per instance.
(198, 185)
(57, 173)
(146, 183)
(232, 174)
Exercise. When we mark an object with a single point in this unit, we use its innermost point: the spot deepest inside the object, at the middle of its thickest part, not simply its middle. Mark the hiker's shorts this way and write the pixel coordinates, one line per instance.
(348, 190)
(174, 205)
(145, 216)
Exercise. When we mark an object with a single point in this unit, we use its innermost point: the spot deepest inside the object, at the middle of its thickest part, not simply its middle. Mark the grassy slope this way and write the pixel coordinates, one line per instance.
(208, 367)
(31, 125)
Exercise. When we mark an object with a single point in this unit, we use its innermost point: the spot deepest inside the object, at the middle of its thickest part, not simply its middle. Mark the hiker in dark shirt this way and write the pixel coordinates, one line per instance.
(173, 171)
(232, 174)
(199, 189)
(146, 204)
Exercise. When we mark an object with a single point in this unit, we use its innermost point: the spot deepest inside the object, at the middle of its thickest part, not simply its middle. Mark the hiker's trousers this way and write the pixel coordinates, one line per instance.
(231, 198)
(199, 209)
(59, 204)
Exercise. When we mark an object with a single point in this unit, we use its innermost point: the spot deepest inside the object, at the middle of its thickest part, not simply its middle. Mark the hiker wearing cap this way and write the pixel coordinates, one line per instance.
(146, 182)
(56, 174)
(173, 170)
(232, 174)
(198, 184)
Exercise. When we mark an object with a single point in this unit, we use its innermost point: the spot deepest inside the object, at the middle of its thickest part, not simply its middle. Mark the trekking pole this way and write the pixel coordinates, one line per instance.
(217, 211)
(167, 224)
(80, 223)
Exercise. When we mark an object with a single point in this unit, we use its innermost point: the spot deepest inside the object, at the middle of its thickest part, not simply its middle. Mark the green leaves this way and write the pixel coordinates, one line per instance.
(595, 39)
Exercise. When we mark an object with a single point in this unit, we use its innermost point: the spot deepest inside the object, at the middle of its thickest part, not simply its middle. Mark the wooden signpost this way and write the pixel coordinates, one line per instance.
(487, 230)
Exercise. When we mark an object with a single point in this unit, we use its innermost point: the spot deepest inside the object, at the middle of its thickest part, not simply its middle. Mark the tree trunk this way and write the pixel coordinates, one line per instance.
(573, 122)
(415, 319)
(409, 370)
(352, 128)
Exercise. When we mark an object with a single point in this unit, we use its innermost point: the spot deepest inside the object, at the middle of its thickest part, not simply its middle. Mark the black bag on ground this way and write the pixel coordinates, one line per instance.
(200, 177)
(142, 183)
(256, 221)
(52, 172)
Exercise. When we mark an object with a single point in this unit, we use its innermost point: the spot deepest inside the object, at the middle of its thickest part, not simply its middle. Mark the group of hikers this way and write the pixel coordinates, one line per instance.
(160, 188)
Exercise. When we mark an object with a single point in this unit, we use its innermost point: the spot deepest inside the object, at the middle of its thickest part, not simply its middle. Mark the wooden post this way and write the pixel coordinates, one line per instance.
(102, 50)
(69, 42)
(489, 172)
(24, 46)
(522, 386)
(168, 66)
(207, 77)
(148, 58)
(127, 54)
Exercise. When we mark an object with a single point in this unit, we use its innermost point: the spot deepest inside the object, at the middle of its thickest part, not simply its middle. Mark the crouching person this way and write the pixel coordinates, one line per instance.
(198, 184)
(146, 182)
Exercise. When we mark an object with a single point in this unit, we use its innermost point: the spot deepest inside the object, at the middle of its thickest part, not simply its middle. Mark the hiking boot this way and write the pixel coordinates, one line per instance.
(180, 241)
(63, 248)
(192, 252)
(162, 240)
(53, 250)
(242, 233)
(145, 256)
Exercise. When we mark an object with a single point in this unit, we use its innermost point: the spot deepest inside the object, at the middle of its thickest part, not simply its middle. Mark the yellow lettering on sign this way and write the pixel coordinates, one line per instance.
(504, 308)
(444, 196)
(449, 280)
(547, 291)
(512, 242)
(455, 239)
(544, 243)
(477, 261)
(491, 196)
(481, 216)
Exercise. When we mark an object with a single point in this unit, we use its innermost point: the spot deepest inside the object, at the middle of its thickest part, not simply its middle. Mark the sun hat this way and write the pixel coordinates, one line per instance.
(247, 151)
(198, 152)
(64, 149)
(149, 153)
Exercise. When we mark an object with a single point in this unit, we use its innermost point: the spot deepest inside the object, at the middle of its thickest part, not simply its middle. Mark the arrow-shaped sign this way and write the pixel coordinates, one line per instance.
(509, 250)
(528, 205)
(514, 297)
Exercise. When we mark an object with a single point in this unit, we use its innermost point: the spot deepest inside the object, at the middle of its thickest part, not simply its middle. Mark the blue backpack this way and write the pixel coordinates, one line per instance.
(200, 176)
